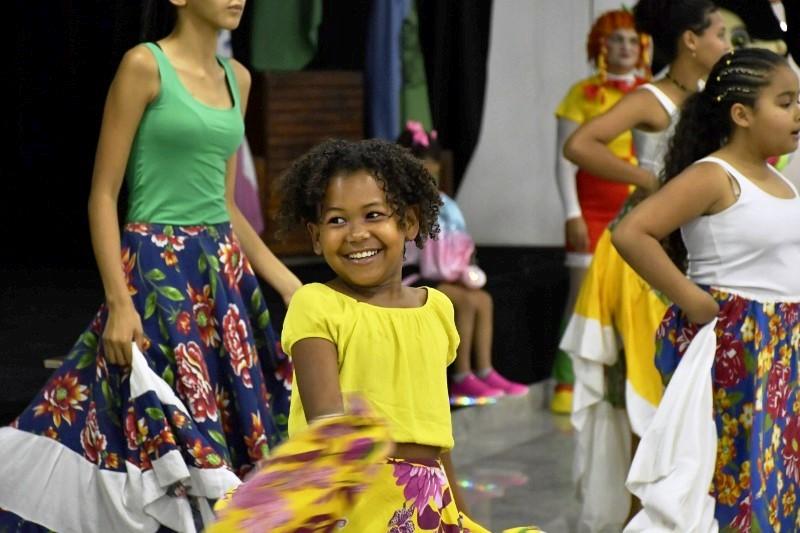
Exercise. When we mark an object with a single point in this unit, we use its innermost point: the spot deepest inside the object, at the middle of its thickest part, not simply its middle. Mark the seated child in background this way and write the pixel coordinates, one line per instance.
(447, 264)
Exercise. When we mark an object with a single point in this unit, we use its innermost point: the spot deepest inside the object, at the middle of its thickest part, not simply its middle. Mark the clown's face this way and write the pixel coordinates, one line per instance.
(623, 50)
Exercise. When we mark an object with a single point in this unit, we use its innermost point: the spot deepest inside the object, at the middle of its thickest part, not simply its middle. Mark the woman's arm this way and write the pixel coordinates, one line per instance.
(588, 146)
(135, 84)
(565, 170)
(701, 189)
(316, 368)
(260, 256)
(577, 234)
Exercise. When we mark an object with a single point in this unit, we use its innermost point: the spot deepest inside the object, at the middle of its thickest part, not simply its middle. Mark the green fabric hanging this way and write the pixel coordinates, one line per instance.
(414, 103)
(284, 35)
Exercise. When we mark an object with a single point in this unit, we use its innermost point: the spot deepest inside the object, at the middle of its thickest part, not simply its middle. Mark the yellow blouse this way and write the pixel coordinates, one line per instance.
(588, 99)
(394, 357)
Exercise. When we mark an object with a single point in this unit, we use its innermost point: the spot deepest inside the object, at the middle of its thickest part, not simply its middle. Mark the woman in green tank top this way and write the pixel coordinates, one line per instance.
(178, 386)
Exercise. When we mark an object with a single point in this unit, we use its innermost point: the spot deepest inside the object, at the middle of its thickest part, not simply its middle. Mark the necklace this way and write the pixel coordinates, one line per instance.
(678, 84)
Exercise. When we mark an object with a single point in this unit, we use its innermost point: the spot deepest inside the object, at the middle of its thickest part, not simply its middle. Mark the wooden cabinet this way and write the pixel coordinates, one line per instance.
(288, 113)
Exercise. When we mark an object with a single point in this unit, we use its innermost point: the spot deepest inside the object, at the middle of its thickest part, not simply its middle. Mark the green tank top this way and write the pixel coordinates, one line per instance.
(176, 168)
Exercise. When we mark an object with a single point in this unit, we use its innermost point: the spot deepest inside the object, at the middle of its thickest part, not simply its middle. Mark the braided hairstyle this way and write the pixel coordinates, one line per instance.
(705, 123)
(402, 177)
(666, 20)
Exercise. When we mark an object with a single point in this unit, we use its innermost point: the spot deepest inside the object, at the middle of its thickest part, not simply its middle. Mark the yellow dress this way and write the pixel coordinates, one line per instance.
(611, 341)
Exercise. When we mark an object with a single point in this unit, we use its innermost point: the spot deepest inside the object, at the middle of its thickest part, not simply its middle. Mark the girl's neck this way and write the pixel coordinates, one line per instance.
(743, 152)
(686, 74)
(195, 42)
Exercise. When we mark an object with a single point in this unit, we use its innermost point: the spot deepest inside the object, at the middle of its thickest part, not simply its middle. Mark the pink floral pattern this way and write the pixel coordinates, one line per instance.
(93, 442)
(193, 382)
(235, 340)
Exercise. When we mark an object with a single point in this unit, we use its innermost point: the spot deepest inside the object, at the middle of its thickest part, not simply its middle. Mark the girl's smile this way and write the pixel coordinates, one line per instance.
(359, 234)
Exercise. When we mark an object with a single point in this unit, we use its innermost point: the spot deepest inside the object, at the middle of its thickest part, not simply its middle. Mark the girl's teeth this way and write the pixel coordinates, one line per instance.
(362, 255)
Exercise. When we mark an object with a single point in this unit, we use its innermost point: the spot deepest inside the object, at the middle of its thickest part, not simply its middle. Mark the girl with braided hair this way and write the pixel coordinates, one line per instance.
(610, 334)
(736, 308)
(620, 54)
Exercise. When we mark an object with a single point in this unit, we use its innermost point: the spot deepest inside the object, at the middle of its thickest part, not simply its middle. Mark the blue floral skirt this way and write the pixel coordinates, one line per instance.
(100, 449)
(756, 408)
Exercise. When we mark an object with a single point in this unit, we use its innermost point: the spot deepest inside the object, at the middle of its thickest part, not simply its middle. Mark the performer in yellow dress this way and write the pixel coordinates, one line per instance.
(590, 202)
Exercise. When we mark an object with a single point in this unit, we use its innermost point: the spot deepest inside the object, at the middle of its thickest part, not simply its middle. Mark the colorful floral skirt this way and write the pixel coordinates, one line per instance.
(311, 481)
(756, 408)
(335, 475)
(104, 448)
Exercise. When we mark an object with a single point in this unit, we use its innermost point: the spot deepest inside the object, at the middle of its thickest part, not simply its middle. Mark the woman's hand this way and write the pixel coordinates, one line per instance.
(123, 326)
(577, 234)
(703, 309)
(648, 182)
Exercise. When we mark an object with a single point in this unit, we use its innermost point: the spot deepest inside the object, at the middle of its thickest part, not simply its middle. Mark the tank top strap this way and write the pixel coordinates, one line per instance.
(785, 179)
(663, 99)
(230, 76)
(166, 73)
(740, 178)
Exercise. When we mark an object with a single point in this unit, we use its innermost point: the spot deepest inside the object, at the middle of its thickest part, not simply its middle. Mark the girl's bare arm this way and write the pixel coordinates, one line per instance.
(135, 84)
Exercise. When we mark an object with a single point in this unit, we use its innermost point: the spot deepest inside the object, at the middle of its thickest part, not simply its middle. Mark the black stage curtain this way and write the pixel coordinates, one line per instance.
(342, 36)
(792, 35)
(63, 58)
(455, 43)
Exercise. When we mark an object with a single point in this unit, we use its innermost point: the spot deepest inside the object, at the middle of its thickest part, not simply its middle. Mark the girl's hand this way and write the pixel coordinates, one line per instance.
(122, 326)
(703, 309)
(649, 182)
(577, 234)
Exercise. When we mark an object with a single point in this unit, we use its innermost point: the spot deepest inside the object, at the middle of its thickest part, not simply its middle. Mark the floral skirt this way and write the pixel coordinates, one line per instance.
(102, 448)
(335, 475)
(756, 408)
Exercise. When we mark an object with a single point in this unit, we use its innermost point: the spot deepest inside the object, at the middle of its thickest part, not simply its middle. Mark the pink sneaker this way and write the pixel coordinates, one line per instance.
(474, 388)
(496, 381)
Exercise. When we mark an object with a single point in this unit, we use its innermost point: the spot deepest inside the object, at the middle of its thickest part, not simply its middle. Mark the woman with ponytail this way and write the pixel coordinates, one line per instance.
(610, 334)
(730, 344)
(178, 386)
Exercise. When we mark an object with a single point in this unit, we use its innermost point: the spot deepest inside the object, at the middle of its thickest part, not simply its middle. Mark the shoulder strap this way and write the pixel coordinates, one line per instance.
(663, 99)
(230, 76)
(164, 66)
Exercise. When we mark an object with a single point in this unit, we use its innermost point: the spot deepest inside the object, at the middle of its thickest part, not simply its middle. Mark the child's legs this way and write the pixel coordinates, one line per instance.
(484, 326)
(466, 314)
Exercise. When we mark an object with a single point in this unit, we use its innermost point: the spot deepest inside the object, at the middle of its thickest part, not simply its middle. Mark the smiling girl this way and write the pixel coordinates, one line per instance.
(365, 332)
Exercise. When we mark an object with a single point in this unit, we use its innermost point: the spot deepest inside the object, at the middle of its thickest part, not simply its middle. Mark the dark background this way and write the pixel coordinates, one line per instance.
(63, 56)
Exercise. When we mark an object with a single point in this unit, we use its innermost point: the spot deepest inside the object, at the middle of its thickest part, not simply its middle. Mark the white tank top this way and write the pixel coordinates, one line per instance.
(651, 146)
(751, 248)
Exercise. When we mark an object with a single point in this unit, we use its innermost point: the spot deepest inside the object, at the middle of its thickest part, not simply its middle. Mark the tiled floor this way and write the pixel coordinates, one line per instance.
(528, 482)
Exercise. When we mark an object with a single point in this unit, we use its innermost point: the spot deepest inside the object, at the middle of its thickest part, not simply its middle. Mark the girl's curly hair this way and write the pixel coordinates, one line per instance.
(402, 177)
